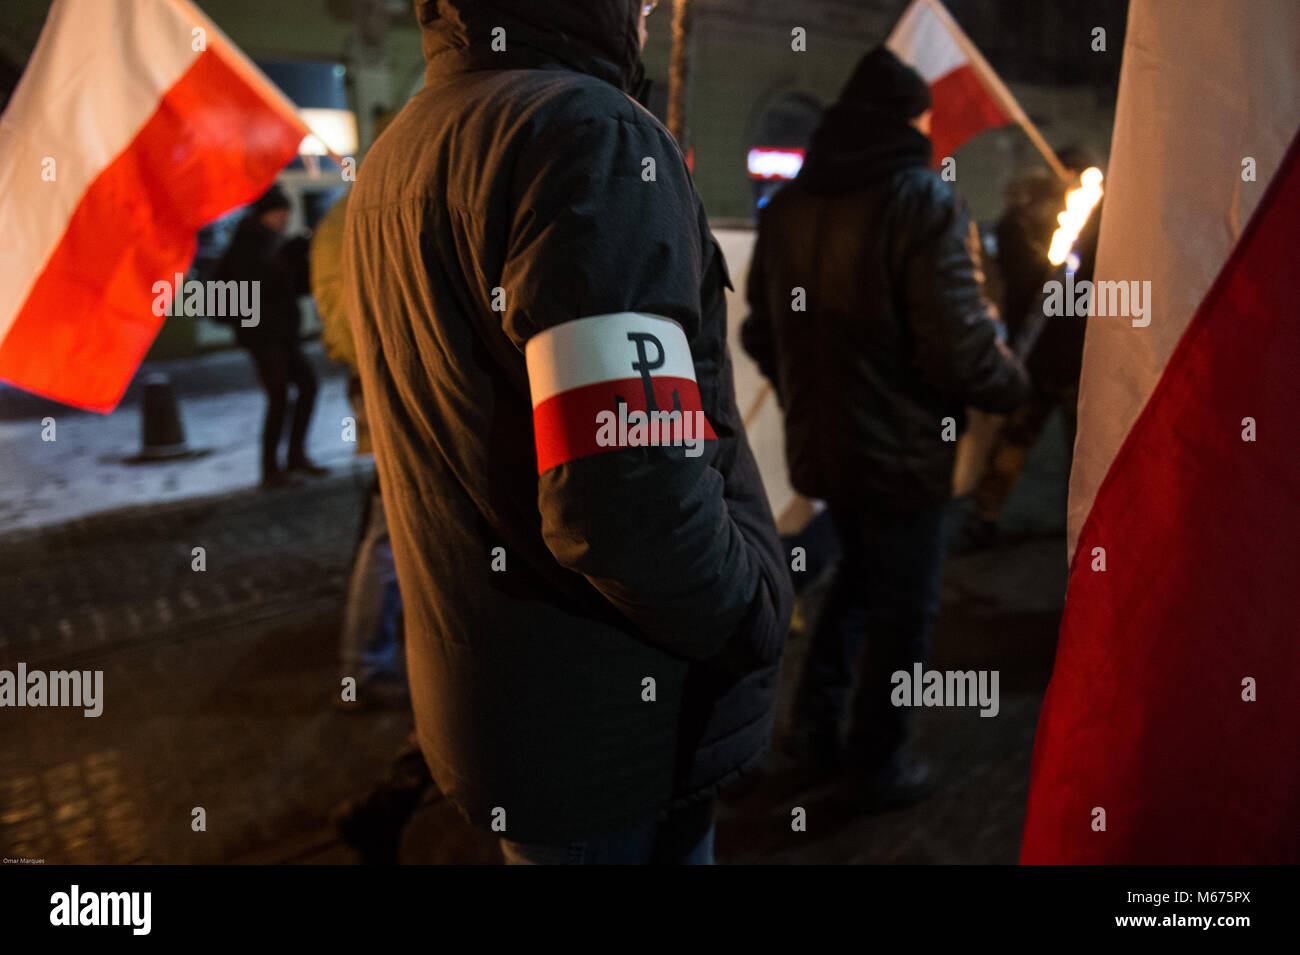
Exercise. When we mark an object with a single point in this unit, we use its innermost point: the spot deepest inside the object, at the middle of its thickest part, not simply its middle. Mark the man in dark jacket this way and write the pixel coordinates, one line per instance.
(258, 253)
(593, 619)
(868, 319)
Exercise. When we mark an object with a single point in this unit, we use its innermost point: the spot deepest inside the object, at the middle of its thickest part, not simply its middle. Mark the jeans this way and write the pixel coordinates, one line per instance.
(278, 365)
(685, 837)
(878, 613)
(370, 645)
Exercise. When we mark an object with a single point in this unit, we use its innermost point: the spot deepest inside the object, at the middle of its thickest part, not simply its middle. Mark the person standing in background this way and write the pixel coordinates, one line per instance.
(370, 641)
(1052, 347)
(868, 319)
(259, 253)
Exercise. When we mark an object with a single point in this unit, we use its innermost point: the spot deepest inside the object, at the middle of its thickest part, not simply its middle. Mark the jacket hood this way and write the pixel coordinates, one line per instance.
(598, 37)
(858, 144)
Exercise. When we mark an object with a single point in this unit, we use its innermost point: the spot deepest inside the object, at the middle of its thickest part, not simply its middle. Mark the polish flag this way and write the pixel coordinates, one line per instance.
(135, 123)
(966, 95)
(591, 378)
(1171, 727)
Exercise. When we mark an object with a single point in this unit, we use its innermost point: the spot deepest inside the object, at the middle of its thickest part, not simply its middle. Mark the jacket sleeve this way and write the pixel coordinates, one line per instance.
(959, 340)
(605, 229)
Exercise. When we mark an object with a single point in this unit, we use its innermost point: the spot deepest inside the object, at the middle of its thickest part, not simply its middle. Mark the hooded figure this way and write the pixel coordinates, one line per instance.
(874, 365)
(594, 612)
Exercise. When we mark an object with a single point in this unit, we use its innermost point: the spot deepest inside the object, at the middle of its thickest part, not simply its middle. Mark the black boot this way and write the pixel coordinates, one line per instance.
(302, 464)
(277, 478)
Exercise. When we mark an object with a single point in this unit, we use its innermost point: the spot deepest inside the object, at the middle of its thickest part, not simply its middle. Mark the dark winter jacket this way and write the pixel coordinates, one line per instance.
(592, 644)
(890, 335)
(258, 254)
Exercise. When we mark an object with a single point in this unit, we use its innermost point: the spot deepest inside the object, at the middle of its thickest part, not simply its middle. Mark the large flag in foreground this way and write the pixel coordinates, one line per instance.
(135, 123)
(1171, 727)
(966, 94)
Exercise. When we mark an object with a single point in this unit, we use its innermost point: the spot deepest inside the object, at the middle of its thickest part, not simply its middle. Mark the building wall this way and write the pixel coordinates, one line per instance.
(743, 62)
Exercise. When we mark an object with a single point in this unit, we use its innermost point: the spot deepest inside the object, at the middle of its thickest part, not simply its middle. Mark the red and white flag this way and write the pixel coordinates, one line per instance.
(135, 123)
(1171, 728)
(966, 95)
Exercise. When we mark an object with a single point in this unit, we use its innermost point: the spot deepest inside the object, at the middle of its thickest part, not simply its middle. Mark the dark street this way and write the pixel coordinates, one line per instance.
(218, 690)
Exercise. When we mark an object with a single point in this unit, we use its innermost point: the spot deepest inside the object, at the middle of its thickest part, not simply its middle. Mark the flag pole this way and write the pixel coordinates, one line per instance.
(999, 90)
(679, 71)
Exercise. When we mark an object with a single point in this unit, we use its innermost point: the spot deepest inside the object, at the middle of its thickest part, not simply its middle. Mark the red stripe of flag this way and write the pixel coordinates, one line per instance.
(1145, 717)
(212, 144)
(962, 109)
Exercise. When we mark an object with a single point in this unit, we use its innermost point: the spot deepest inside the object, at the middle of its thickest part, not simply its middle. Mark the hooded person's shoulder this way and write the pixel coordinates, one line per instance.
(565, 99)
(922, 201)
(502, 114)
(921, 189)
(567, 118)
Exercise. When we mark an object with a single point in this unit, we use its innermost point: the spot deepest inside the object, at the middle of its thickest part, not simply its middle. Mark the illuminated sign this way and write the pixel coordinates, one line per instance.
(766, 162)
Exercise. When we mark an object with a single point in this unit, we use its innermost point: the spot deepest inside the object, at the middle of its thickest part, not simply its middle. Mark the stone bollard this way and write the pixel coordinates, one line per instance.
(162, 435)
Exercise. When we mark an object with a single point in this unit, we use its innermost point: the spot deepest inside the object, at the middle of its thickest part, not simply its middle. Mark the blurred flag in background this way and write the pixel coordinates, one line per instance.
(966, 95)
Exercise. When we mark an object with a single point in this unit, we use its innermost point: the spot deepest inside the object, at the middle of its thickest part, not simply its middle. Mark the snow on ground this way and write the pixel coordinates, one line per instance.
(82, 471)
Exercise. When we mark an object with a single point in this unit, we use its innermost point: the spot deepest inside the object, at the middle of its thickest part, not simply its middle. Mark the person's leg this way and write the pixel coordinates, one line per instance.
(837, 639)
(631, 846)
(901, 578)
(304, 380)
(686, 836)
(683, 837)
(273, 374)
(369, 644)
(373, 822)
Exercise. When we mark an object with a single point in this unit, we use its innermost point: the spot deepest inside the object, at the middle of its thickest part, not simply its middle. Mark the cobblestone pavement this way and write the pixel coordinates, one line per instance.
(218, 686)
(238, 721)
(218, 690)
(129, 576)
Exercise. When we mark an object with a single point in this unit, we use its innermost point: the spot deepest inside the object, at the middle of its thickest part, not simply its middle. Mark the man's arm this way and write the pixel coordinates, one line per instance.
(602, 285)
(960, 343)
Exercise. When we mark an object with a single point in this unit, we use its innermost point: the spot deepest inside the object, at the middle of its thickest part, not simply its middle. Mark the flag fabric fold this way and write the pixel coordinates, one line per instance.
(1170, 729)
(136, 123)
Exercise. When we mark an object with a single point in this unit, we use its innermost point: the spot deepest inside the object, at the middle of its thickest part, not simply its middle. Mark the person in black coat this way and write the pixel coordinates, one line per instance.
(593, 620)
(868, 318)
(1053, 347)
(259, 253)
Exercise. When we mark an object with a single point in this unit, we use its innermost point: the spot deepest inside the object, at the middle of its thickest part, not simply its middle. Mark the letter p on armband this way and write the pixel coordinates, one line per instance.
(606, 368)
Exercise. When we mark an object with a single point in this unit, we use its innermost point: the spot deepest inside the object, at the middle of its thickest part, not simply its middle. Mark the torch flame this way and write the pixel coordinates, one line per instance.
(1079, 203)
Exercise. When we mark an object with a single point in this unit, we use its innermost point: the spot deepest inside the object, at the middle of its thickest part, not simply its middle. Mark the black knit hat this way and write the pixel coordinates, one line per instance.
(886, 82)
(273, 198)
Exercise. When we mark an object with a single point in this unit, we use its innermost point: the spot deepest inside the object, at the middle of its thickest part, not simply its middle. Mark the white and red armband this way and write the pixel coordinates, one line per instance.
(613, 381)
